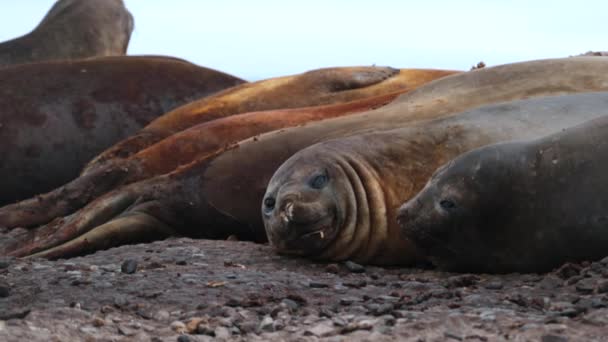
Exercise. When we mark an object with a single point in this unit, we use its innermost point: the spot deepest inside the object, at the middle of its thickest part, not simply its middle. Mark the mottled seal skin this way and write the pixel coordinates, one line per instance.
(220, 195)
(55, 116)
(525, 206)
(312, 88)
(73, 29)
(338, 200)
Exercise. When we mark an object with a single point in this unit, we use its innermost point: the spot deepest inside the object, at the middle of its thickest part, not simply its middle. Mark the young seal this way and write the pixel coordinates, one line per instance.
(526, 206)
(220, 194)
(73, 29)
(55, 116)
(337, 200)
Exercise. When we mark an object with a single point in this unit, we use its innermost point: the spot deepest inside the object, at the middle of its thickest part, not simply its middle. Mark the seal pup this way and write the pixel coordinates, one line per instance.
(525, 206)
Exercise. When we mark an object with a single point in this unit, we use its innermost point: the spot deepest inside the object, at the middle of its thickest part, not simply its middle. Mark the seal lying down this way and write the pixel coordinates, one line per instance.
(526, 206)
(219, 194)
(338, 200)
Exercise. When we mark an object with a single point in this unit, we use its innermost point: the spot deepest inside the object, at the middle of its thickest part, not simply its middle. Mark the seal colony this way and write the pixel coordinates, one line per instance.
(73, 29)
(337, 158)
(220, 195)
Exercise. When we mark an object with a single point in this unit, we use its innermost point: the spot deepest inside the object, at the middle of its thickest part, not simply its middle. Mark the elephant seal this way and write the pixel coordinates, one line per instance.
(338, 200)
(73, 29)
(55, 116)
(312, 88)
(220, 194)
(525, 206)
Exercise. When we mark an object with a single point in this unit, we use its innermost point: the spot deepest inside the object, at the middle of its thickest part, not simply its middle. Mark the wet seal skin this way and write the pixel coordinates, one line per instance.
(526, 206)
(73, 29)
(338, 200)
(220, 125)
(55, 116)
(220, 194)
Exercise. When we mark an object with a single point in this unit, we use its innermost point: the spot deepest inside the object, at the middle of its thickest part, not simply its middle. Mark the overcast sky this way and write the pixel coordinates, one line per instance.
(257, 39)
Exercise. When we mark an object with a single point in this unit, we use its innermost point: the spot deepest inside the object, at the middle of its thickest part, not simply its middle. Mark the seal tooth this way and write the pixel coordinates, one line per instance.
(289, 211)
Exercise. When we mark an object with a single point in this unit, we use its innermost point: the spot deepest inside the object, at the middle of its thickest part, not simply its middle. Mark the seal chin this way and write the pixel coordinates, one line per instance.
(305, 239)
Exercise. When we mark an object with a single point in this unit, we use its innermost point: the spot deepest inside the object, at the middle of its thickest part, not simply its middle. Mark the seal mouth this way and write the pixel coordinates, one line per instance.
(309, 238)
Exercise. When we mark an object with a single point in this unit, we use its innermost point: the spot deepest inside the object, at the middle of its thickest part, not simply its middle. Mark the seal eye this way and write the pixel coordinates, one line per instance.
(319, 181)
(269, 203)
(447, 204)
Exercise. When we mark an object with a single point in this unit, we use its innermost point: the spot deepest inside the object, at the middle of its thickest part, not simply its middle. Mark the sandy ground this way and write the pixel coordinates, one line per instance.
(198, 290)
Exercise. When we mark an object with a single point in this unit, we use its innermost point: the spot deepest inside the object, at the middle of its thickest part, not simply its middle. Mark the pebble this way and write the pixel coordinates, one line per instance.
(354, 267)
(4, 264)
(585, 286)
(323, 329)
(317, 285)
(98, 322)
(332, 268)
(602, 286)
(604, 261)
(4, 291)
(267, 324)
(553, 338)
(291, 305)
(178, 327)
(349, 300)
(129, 266)
(222, 333)
(183, 338)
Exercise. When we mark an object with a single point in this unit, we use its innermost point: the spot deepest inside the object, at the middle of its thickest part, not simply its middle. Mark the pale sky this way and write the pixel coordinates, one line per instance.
(257, 39)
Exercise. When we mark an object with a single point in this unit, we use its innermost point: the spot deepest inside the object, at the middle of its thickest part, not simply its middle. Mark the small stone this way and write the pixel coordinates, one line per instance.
(349, 300)
(553, 338)
(4, 264)
(317, 285)
(222, 333)
(602, 286)
(205, 329)
(568, 270)
(332, 268)
(354, 267)
(464, 280)
(126, 331)
(129, 266)
(183, 338)
(323, 329)
(98, 322)
(178, 327)
(4, 291)
(192, 324)
(604, 261)
(291, 305)
(493, 285)
(267, 324)
(585, 286)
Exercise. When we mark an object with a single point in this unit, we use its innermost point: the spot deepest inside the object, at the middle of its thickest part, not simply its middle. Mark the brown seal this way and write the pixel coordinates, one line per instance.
(312, 88)
(319, 86)
(525, 206)
(73, 29)
(338, 200)
(58, 115)
(220, 195)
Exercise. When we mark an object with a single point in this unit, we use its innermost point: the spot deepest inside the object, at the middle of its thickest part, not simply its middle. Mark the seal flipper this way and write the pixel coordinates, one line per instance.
(128, 229)
(341, 79)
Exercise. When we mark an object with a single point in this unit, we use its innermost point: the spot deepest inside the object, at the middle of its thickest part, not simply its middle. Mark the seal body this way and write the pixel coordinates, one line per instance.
(55, 116)
(220, 194)
(526, 206)
(73, 29)
(338, 200)
(312, 88)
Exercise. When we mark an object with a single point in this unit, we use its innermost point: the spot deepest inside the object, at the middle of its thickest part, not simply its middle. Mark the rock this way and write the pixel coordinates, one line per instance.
(98, 322)
(602, 286)
(354, 267)
(323, 329)
(332, 268)
(4, 263)
(464, 280)
(267, 324)
(4, 291)
(289, 304)
(568, 271)
(493, 285)
(585, 285)
(349, 300)
(553, 338)
(129, 266)
(317, 285)
(222, 333)
(193, 323)
(178, 327)
(183, 338)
